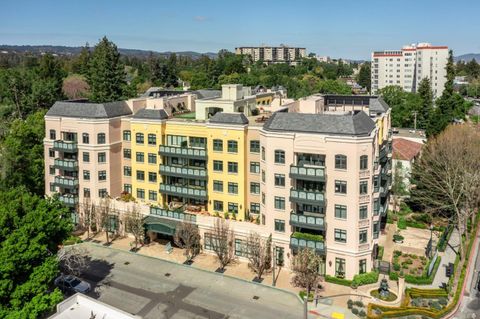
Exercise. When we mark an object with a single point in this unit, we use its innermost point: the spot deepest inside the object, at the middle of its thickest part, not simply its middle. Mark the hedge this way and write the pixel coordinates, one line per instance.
(402, 223)
(424, 280)
(380, 252)
(366, 278)
(442, 243)
(307, 236)
(338, 281)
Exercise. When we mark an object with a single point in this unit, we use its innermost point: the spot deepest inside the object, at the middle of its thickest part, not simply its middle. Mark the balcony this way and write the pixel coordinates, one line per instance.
(383, 191)
(304, 221)
(300, 241)
(384, 210)
(69, 199)
(196, 173)
(65, 146)
(180, 215)
(66, 164)
(307, 173)
(183, 191)
(64, 181)
(185, 152)
(307, 197)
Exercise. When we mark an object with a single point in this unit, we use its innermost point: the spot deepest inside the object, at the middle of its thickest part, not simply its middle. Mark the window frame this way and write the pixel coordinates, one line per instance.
(341, 161)
(279, 157)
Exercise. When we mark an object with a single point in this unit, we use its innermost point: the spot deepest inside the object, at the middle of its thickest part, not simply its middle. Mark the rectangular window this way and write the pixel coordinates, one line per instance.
(140, 193)
(127, 135)
(127, 153)
(232, 188)
(232, 146)
(51, 153)
(376, 229)
(279, 180)
(263, 153)
(362, 266)
(233, 208)
(86, 192)
(102, 157)
(363, 162)
(152, 177)
(279, 157)
(101, 138)
(233, 167)
(86, 157)
(218, 205)
(140, 175)
(340, 162)
(363, 212)
(263, 175)
(127, 188)
(218, 166)
(139, 138)
(86, 175)
(362, 236)
(340, 235)
(52, 170)
(218, 186)
(140, 157)
(279, 202)
(199, 142)
(102, 175)
(152, 195)
(85, 138)
(279, 225)
(341, 211)
(376, 206)
(53, 135)
(241, 248)
(255, 167)
(102, 193)
(363, 187)
(340, 267)
(255, 146)
(263, 198)
(152, 158)
(254, 188)
(53, 188)
(255, 208)
(208, 241)
(152, 139)
(340, 187)
(376, 183)
(218, 145)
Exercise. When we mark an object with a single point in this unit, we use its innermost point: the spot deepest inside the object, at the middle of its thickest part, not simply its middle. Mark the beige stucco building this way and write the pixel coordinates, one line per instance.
(312, 173)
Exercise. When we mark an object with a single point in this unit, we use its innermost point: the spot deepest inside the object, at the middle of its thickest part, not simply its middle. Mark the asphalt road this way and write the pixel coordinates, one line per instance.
(153, 288)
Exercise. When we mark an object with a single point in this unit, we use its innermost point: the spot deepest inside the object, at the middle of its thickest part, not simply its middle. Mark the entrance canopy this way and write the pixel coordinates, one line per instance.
(160, 225)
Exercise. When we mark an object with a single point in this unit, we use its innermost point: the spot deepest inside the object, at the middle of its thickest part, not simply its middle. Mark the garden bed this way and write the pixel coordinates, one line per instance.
(414, 268)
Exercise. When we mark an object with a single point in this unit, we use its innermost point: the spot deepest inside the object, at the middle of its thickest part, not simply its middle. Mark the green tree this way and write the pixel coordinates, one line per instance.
(472, 69)
(426, 94)
(80, 64)
(31, 228)
(21, 154)
(364, 77)
(106, 75)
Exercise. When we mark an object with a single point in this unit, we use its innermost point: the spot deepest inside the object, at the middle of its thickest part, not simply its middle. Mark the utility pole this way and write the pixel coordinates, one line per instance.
(305, 307)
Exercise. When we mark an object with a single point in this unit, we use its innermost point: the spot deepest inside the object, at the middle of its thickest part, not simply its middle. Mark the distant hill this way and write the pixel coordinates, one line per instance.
(468, 57)
(64, 50)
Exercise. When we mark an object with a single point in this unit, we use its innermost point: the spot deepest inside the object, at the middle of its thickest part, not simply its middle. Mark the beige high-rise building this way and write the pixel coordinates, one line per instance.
(269, 55)
(408, 66)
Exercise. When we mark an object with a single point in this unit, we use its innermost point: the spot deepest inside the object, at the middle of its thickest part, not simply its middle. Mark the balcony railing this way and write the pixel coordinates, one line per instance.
(65, 146)
(186, 152)
(309, 197)
(180, 215)
(383, 191)
(363, 223)
(183, 191)
(64, 181)
(196, 173)
(66, 164)
(363, 247)
(364, 198)
(69, 200)
(364, 173)
(383, 210)
(304, 221)
(307, 173)
(300, 243)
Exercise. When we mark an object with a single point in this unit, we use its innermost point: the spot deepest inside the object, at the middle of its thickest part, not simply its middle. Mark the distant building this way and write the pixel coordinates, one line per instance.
(269, 55)
(323, 58)
(408, 66)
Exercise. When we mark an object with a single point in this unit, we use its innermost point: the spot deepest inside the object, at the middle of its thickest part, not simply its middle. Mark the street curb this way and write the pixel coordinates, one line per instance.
(190, 267)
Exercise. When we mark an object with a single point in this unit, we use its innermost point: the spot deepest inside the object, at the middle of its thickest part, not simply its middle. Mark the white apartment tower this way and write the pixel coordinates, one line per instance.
(269, 55)
(408, 66)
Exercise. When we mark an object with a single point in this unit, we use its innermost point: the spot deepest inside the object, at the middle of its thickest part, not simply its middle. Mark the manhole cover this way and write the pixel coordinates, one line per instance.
(167, 274)
(256, 297)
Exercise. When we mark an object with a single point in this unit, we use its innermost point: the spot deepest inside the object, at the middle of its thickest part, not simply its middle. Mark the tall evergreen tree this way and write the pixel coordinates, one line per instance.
(81, 63)
(426, 110)
(106, 75)
(364, 76)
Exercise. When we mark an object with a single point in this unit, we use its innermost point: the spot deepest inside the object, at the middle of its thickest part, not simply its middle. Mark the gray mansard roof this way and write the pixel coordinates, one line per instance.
(229, 118)
(151, 114)
(354, 124)
(377, 105)
(84, 109)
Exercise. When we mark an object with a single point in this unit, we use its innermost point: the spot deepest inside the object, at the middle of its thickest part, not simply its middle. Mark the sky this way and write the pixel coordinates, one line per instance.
(349, 29)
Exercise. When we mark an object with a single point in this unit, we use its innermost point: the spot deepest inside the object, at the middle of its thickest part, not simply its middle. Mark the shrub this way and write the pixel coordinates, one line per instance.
(413, 256)
(409, 261)
(380, 252)
(307, 236)
(359, 303)
(402, 223)
(397, 253)
(435, 305)
(355, 311)
(416, 302)
(362, 313)
(393, 275)
(338, 281)
(404, 265)
(397, 237)
(365, 278)
(302, 295)
(443, 301)
(350, 303)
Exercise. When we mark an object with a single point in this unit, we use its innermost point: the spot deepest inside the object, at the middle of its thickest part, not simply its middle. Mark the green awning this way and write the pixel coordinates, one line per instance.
(160, 225)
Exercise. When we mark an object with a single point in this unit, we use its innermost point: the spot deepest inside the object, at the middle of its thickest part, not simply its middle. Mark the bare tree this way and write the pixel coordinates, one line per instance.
(305, 266)
(187, 237)
(105, 212)
(259, 253)
(447, 176)
(135, 225)
(223, 242)
(88, 214)
(73, 260)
